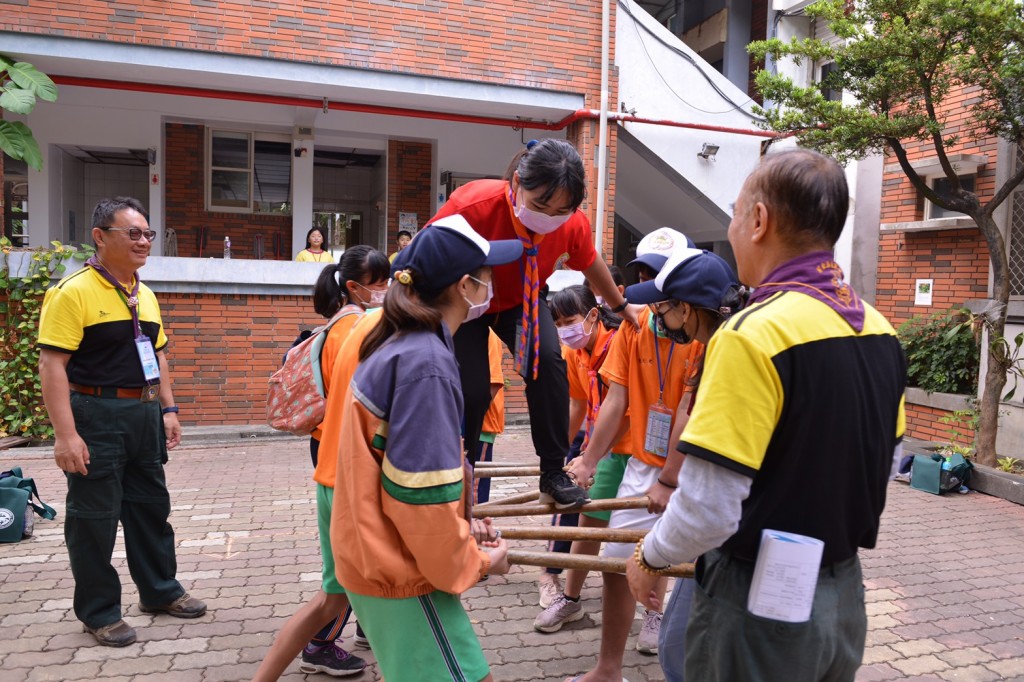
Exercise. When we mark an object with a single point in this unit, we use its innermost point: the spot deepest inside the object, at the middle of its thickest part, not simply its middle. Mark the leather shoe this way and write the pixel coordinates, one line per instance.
(115, 634)
(182, 607)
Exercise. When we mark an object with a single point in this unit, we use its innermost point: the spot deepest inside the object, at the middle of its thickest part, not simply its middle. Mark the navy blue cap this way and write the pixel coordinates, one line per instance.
(692, 276)
(445, 250)
(655, 248)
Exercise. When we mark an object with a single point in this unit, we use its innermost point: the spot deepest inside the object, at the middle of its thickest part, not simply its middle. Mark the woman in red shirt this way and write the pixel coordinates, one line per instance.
(539, 205)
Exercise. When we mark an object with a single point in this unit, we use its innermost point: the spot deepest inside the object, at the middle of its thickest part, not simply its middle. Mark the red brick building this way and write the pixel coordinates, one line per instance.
(257, 120)
(922, 242)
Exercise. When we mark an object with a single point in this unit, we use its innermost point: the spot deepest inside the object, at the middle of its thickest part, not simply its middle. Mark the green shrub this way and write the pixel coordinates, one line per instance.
(942, 352)
(21, 297)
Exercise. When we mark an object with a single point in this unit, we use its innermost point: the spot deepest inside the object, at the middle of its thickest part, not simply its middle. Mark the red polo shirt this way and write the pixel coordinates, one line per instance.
(487, 207)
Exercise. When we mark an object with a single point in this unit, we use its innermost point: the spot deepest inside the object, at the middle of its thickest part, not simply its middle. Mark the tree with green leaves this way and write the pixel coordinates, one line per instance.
(902, 61)
(21, 84)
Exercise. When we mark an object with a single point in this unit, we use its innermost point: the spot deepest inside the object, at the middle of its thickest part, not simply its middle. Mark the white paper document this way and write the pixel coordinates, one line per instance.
(785, 576)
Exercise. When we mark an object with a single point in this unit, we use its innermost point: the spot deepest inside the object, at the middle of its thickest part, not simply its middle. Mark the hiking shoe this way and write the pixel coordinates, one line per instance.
(360, 639)
(550, 588)
(182, 607)
(115, 634)
(557, 488)
(647, 640)
(560, 612)
(330, 659)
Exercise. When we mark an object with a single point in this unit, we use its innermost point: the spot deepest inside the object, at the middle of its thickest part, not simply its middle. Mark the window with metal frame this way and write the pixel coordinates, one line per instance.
(248, 172)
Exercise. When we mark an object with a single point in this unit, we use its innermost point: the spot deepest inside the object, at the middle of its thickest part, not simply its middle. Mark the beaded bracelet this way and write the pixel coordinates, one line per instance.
(638, 556)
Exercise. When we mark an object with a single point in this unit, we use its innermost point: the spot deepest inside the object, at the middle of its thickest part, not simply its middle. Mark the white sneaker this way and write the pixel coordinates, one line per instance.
(550, 587)
(560, 612)
(647, 640)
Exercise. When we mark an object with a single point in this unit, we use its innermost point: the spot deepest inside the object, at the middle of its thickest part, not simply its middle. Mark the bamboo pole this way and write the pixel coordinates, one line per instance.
(572, 533)
(505, 472)
(585, 562)
(518, 498)
(492, 465)
(506, 510)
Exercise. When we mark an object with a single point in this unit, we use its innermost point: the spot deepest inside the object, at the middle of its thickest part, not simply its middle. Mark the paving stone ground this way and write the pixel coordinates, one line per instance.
(945, 594)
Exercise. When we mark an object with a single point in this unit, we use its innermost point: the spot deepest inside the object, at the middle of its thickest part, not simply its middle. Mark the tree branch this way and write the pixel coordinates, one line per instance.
(1011, 184)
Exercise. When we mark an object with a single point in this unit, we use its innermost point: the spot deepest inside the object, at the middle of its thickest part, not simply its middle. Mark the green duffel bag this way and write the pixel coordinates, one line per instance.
(17, 506)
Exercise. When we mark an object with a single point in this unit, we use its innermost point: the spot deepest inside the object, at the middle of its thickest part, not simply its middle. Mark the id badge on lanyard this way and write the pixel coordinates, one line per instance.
(147, 356)
(659, 427)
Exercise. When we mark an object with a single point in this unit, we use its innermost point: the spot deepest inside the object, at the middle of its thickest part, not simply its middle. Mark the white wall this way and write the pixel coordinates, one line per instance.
(660, 84)
(101, 118)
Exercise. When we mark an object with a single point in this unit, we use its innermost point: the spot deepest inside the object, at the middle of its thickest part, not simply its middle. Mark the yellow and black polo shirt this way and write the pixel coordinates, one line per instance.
(85, 316)
(812, 411)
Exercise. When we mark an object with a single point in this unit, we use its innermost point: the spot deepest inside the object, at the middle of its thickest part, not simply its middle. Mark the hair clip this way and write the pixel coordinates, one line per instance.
(531, 144)
(404, 277)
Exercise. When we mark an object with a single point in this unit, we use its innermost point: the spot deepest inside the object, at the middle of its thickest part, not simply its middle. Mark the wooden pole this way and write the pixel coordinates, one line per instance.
(518, 498)
(572, 533)
(492, 465)
(585, 562)
(505, 472)
(506, 510)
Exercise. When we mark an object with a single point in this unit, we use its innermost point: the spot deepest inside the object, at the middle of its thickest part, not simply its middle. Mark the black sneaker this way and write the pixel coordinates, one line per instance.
(330, 659)
(557, 488)
(361, 640)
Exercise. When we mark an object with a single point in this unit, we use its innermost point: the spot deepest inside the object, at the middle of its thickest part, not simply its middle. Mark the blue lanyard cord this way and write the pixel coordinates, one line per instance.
(657, 361)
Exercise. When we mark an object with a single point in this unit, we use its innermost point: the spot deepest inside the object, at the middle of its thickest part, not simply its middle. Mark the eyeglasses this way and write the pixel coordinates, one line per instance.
(134, 233)
(659, 306)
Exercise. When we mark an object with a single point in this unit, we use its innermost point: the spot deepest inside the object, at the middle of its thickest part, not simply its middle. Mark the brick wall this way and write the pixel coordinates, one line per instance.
(552, 45)
(956, 259)
(925, 422)
(410, 165)
(223, 348)
(185, 206)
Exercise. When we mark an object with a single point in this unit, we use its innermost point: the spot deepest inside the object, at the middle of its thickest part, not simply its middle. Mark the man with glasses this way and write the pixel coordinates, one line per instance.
(107, 390)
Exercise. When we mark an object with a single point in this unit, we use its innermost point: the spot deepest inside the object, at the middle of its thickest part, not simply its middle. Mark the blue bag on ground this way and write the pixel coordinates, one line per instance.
(936, 474)
(16, 506)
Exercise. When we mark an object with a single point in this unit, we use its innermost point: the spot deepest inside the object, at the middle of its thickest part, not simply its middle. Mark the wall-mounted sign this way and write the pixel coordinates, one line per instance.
(923, 292)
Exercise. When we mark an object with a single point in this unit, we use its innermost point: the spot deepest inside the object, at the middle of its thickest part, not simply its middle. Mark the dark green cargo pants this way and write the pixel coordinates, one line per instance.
(127, 451)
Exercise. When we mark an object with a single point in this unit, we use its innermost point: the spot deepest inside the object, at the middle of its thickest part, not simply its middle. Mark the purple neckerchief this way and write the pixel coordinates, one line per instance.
(131, 298)
(819, 276)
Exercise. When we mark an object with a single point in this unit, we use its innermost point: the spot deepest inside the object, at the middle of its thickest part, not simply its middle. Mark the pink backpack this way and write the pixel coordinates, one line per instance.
(296, 400)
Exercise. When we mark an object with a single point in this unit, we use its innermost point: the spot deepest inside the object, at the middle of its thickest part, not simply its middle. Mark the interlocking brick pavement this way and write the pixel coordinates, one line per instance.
(944, 594)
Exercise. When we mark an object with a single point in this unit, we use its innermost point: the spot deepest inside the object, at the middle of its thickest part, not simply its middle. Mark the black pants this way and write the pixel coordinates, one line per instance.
(125, 483)
(547, 398)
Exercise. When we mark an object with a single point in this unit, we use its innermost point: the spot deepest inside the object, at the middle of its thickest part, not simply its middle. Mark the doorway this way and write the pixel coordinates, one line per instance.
(349, 191)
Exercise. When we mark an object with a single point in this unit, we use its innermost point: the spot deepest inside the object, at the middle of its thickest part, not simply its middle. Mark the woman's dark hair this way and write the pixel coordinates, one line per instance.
(579, 300)
(311, 231)
(356, 263)
(553, 165)
(407, 309)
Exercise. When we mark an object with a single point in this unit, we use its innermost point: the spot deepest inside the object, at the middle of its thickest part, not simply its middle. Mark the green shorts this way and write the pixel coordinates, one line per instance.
(421, 639)
(324, 502)
(606, 482)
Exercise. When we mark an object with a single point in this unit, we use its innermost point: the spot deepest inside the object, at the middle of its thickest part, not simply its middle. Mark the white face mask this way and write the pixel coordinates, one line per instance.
(478, 309)
(375, 300)
(535, 221)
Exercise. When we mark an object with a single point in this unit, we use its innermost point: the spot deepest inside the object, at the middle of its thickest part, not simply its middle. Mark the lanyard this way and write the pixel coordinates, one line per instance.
(130, 298)
(657, 361)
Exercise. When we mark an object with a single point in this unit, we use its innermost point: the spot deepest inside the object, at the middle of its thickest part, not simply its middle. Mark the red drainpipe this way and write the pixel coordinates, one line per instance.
(209, 93)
